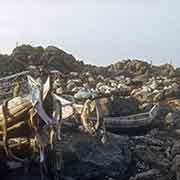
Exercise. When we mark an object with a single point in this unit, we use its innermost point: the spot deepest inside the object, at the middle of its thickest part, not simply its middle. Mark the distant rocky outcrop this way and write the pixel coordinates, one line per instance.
(141, 69)
(24, 56)
(130, 67)
(50, 57)
(54, 58)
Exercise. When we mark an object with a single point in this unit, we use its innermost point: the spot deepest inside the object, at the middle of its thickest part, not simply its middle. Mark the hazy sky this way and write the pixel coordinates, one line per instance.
(96, 31)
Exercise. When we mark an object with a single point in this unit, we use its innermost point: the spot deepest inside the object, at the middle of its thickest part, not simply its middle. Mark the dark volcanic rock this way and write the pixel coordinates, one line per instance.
(119, 106)
(123, 106)
(87, 158)
(106, 106)
(157, 150)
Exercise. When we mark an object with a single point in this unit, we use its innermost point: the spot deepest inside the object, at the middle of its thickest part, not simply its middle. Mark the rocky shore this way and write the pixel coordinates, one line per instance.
(126, 88)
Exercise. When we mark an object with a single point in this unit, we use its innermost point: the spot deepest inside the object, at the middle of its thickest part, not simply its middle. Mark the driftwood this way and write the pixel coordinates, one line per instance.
(15, 107)
(16, 122)
(13, 114)
(18, 107)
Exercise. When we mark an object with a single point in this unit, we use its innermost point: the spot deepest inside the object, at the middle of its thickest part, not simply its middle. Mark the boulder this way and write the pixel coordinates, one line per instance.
(87, 158)
(167, 70)
(105, 104)
(84, 94)
(122, 106)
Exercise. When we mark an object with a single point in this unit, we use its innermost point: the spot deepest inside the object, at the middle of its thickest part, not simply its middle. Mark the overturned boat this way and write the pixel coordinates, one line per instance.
(132, 121)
